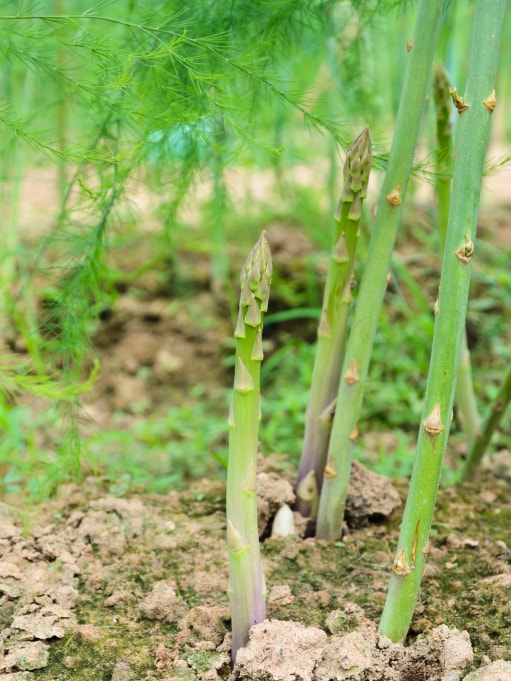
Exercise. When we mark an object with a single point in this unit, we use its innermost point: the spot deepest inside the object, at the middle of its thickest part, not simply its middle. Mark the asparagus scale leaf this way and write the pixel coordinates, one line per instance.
(246, 580)
(332, 328)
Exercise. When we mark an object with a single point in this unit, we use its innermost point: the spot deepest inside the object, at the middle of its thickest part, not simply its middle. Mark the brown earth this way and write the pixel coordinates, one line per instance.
(97, 587)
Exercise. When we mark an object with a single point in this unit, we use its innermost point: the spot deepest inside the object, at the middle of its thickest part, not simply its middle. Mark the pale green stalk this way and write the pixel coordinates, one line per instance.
(472, 139)
(332, 328)
(374, 279)
(246, 584)
(491, 420)
(465, 396)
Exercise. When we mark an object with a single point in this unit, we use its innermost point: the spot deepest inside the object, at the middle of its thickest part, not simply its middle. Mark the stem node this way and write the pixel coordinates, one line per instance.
(394, 198)
(351, 375)
(466, 251)
(491, 102)
(400, 566)
(433, 423)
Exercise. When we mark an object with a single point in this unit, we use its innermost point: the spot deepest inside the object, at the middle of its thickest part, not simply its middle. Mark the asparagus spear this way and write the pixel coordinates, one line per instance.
(465, 396)
(246, 587)
(475, 110)
(374, 278)
(332, 329)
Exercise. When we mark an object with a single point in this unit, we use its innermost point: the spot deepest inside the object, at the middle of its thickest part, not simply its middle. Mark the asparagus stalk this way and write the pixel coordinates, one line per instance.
(473, 131)
(246, 587)
(363, 330)
(443, 109)
(465, 396)
(490, 422)
(332, 328)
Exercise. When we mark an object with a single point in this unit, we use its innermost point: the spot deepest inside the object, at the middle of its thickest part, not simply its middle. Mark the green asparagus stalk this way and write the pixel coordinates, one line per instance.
(246, 587)
(465, 396)
(374, 280)
(473, 131)
(443, 109)
(332, 328)
(491, 420)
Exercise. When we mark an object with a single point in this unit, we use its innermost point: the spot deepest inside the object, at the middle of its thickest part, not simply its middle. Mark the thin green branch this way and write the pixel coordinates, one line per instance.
(490, 423)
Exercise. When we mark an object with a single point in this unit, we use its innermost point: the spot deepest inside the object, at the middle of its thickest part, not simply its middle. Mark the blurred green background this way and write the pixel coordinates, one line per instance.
(142, 153)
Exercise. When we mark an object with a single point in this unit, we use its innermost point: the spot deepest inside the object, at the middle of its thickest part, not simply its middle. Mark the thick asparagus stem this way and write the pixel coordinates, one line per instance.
(332, 329)
(374, 279)
(246, 583)
(491, 420)
(473, 132)
(465, 396)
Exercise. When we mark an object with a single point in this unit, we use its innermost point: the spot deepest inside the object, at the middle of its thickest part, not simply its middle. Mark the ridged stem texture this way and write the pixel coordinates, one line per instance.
(465, 397)
(374, 280)
(246, 580)
(333, 325)
(475, 109)
(491, 421)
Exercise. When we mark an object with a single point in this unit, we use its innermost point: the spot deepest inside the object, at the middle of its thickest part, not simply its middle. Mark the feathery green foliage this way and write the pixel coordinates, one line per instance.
(177, 92)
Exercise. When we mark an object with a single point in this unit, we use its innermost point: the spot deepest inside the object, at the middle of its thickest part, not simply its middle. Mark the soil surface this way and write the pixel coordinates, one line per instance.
(98, 587)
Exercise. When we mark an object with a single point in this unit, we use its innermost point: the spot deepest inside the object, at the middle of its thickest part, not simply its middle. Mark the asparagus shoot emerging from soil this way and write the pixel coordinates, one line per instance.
(332, 329)
(375, 276)
(246, 587)
(465, 396)
(472, 141)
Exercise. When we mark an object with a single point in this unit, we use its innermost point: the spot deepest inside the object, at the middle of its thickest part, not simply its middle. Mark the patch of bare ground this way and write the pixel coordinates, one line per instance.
(97, 587)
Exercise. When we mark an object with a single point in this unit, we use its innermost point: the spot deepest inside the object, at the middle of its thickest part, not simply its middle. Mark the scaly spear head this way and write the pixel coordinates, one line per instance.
(357, 167)
(256, 274)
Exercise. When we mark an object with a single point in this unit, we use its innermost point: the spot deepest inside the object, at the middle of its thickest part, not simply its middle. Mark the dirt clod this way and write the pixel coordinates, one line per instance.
(371, 497)
(28, 656)
(280, 651)
(495, 671)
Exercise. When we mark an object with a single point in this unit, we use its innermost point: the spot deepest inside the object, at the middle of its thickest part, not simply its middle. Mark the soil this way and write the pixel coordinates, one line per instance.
(134, 588)
(97, 587)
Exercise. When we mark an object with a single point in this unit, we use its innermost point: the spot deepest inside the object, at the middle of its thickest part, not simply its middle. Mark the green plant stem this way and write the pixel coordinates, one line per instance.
(490, 422)
(246, 585)
(472, 140)
(374, 280)
(332, 328)
(465, 396)
(443, 108)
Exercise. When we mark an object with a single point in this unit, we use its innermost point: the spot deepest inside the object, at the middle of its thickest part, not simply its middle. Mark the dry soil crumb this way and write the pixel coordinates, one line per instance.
(370, 497)
(495, 671)
(287, 651)
(280, 651)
